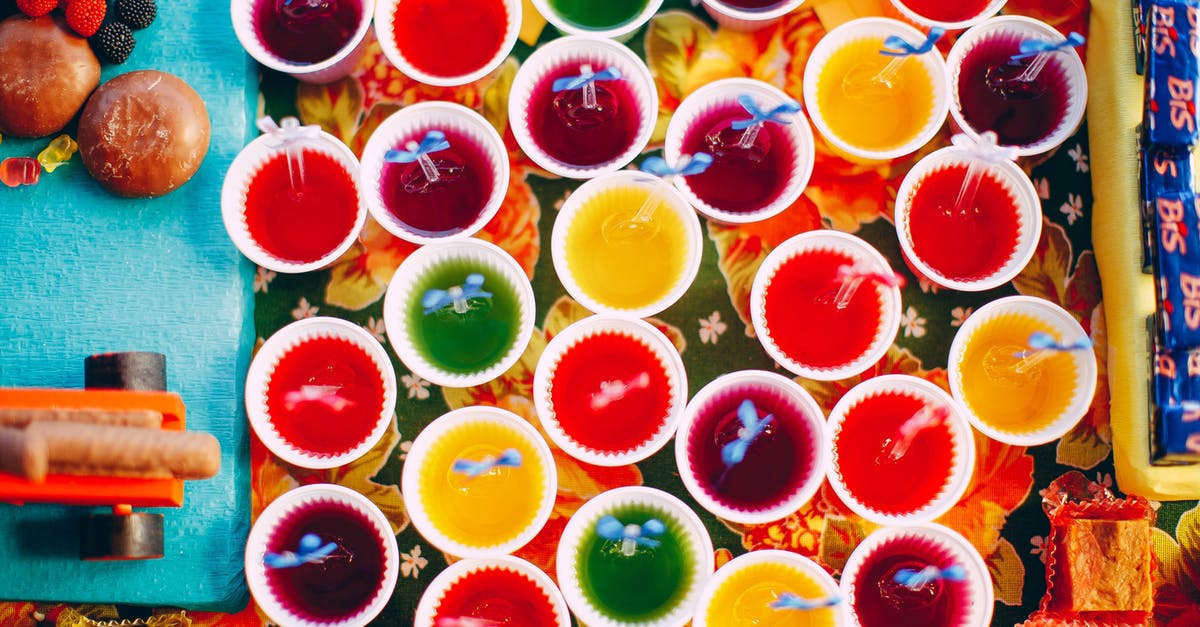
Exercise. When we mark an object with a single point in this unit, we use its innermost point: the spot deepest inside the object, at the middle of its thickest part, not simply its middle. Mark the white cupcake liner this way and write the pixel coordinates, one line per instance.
(385, 11)
(583, 523)
(326, 71)
(466, 417)
(880, 28)
(926, 23)
(1012, 178)
(791, 560)
(400, 296)
(672, 201)
(746, 20)
(411, 123)
(978, 582)
(1059, 323)
(646, 335)
(267, 524)
(430, 602)
(600, 53)
(258, 379)
(785, 389)
(1024, 27)
(862, 253)
(248, 163)
(719, 95)
(962, 464)
(620, 32)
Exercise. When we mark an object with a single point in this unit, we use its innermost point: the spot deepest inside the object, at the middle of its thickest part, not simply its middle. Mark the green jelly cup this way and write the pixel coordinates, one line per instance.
(694, 566)
(622, 29)
(420, 272)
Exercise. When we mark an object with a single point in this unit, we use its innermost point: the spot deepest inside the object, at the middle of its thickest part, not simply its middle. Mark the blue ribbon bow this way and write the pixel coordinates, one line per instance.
(917, 579)
(686, 166)
(510, 457)
(758, 116)
(752, 427)
(568, 83)
(434, 141)
(897, 46)
(310, 551)
(790, 601)
(458, 296)
(612, 529)
(1040, 340)
(1034, 47)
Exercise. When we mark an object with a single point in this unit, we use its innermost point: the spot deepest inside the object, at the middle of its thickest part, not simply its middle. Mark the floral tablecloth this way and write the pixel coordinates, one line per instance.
(1001, 511)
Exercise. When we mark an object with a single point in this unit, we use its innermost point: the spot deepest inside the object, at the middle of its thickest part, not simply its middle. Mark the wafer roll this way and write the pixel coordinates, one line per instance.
(23, 416)
(23, 454)
(128, 451)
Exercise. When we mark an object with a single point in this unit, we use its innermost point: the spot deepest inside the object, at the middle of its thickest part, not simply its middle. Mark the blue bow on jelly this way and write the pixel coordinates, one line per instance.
(310, 551)
(510, 457)
(790, 601)
(609, 528)
(758, 116)
(917, 579)
(434, 141)
(686, 166)
(1042, 341)
(752, 427)
(1034, 47)
(568, 83)
(287, 131)
(897, 46)
(458, 296)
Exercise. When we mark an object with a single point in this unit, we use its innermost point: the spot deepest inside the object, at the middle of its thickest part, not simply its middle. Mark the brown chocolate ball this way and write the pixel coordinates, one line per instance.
(46, 74)
(143, 134)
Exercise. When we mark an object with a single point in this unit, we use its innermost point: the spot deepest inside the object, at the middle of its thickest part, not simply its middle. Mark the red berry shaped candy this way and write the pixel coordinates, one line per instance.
(18, 171)
(85, 16)
(36, 8)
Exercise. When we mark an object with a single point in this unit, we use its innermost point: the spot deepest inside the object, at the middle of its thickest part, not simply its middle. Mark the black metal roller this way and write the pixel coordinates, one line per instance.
(126, 371)
(135, 536)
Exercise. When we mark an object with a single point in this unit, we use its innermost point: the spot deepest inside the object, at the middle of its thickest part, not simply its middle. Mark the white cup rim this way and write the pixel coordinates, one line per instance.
(770, 13)
(990, 10)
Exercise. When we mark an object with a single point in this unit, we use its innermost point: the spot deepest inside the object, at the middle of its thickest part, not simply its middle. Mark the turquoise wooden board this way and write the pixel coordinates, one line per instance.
(82, 272)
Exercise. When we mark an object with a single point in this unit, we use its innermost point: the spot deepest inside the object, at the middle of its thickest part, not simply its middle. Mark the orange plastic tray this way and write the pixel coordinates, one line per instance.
(91, 490)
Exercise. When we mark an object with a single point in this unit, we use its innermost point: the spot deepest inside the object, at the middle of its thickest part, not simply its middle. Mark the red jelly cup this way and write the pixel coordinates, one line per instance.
(460, 41)
(505, 589)
(582, 152)
(1013, 211)
(327, 70)
(304, 595)
(423, 218)
(780, 180)
(890, 478)
(797, 287)
(320, 392)
(629, 413)
(1031, 125)
(783, 467)
(288, 242)
(874, 599)
(950, 16)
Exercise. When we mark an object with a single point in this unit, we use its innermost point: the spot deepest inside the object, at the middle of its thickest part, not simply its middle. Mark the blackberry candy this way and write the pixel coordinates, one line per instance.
(113, 42)
(137, 14)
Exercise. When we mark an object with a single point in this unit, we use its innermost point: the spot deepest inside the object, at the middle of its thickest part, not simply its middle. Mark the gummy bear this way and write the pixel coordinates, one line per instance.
(17, 171)
(570, 107)
(725, 143)
(1003, 80)
(60, 151)
(450, 168)
(300, 14)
